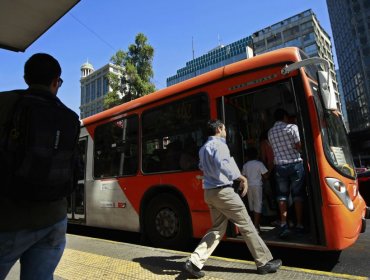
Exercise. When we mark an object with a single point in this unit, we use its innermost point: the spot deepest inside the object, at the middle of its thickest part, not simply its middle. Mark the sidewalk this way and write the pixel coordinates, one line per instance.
(89, 258)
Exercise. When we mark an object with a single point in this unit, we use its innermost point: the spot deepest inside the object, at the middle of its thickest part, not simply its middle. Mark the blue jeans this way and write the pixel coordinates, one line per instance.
(290, 180)
(39, 251)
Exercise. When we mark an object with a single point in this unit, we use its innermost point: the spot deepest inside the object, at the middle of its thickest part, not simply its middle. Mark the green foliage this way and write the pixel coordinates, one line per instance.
(136, 73)
(112, 99)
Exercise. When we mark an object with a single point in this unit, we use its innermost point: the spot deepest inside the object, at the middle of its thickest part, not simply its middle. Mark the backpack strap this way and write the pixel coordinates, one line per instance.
(9, 101)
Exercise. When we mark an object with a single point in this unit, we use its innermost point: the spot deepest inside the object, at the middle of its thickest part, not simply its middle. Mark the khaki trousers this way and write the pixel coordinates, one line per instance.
(224, 205)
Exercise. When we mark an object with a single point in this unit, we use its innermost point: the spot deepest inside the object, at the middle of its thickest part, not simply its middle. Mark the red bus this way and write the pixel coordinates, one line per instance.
(139, 160)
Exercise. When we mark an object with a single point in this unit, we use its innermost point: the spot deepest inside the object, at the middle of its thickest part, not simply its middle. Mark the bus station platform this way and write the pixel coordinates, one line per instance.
(95, 259)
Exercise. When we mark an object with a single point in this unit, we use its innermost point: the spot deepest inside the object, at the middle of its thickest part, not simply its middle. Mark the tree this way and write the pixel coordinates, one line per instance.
(136, 72)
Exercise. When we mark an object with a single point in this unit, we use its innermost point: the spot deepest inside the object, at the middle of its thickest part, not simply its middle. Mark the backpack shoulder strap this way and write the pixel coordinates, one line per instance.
(8, 104)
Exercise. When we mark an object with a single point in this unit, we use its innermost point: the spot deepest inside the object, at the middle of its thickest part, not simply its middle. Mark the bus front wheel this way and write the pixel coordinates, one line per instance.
(167, 222)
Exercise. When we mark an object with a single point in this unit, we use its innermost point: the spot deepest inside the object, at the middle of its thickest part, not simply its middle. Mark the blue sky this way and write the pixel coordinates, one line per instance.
(94, 30)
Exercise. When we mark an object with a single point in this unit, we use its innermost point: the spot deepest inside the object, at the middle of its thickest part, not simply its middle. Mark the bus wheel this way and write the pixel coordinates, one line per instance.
(167, 223)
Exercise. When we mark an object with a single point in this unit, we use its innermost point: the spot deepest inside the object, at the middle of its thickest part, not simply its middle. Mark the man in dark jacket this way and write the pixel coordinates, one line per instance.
(34, 232)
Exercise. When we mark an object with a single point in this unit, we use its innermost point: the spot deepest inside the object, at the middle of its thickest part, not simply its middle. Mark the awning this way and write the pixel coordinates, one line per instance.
(23, 21)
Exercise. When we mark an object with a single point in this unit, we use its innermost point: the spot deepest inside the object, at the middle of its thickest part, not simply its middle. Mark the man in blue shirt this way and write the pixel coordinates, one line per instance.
(220, 170)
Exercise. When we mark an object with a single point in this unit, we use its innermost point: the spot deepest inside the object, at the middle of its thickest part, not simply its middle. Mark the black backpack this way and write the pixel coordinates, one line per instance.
(38, 148)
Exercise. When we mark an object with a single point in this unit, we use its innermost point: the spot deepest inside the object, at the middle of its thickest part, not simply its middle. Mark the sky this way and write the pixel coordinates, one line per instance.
(94, 30)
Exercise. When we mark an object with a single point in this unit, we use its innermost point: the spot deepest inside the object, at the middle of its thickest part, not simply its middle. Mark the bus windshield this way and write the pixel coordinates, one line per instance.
(334, 137)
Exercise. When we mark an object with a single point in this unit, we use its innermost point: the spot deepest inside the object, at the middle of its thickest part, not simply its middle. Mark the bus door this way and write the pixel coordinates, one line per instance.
(248, 116)
(76, 202)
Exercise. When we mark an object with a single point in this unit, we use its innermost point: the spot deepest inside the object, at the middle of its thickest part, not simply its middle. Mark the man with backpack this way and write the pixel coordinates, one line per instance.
(38, 165)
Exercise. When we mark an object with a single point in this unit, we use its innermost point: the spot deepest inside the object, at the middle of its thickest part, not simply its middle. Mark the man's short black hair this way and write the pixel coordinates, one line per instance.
(41, 69)
(280, 114)
(212, 126)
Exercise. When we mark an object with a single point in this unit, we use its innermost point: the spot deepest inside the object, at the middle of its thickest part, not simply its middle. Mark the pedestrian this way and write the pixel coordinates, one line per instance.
(255, 171)
(39, 165)
(289, 171)
(220, 170)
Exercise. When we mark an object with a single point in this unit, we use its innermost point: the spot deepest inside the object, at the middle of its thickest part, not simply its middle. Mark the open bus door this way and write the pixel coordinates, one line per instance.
(249, 115)
(76, 202)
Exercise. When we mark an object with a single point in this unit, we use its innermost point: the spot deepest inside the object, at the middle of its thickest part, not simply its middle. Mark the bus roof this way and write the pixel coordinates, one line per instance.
(280, 56)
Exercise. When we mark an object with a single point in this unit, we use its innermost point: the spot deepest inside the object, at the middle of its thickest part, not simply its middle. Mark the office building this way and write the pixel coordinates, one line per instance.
(219, 56)
(302, 30)
(94, 87)
(350, 22)
(342, 100)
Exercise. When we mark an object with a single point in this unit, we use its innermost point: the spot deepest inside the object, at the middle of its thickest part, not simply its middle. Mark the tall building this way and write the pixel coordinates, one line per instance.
(342, 100)
(94, 86)
(350, 23)
(302, 30)
(219, 56)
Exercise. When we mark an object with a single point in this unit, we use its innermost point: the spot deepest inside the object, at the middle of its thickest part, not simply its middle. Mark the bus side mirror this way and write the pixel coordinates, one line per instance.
(327, 90)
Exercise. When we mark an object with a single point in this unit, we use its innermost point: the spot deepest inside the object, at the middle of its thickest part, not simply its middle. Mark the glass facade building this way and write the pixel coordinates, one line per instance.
(342, 101)
(219, 56)
(350, 22)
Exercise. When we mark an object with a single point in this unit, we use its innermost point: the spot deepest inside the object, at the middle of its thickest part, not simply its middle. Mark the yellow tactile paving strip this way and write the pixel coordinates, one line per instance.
(78, 265)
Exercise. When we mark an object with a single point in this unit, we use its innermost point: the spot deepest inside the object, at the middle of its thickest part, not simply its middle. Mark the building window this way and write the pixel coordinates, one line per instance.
(105, 85)
(260, 44)
(87, 90)
(291, 32)
(309, 38)
(306, 25)
(83, 95)
(273, 40)
(293, 43)
(98, 88)
(93, 90)
(311, 49)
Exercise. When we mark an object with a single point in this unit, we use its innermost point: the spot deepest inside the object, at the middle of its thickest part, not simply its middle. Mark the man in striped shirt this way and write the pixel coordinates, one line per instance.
(285, 141)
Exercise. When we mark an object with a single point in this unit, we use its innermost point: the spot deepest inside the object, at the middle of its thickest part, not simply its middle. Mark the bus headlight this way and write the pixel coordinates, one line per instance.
(339, 188)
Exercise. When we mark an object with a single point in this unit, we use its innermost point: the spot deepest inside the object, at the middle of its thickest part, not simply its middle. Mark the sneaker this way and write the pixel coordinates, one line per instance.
(270, 267)
(193, 270)
(284, 232)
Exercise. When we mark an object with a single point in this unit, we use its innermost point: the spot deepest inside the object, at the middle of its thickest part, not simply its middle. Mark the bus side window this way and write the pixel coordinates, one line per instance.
(170, 129)
(116, 148)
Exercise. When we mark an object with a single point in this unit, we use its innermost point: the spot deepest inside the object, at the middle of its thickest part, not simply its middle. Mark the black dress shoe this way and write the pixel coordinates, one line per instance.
(193, 270)
(270, 267)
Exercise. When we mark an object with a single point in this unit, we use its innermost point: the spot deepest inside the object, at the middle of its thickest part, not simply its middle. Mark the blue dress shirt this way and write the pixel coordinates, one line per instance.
(218, 167)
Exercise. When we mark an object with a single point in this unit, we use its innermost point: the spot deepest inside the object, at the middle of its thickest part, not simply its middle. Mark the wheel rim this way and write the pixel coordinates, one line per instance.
(167, 223)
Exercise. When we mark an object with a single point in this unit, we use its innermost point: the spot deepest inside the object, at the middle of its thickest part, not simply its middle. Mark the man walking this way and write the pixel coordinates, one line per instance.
(289, 171)
(38, 153)
(220, 170)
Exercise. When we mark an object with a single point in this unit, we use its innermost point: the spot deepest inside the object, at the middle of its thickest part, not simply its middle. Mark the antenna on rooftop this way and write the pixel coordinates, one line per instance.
(192, 45)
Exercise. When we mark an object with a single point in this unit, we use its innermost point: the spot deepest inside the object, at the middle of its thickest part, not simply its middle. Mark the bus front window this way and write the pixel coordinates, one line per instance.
(334, 137)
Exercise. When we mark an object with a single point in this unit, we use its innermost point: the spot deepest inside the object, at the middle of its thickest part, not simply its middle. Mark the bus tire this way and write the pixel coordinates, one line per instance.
(167, 222)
